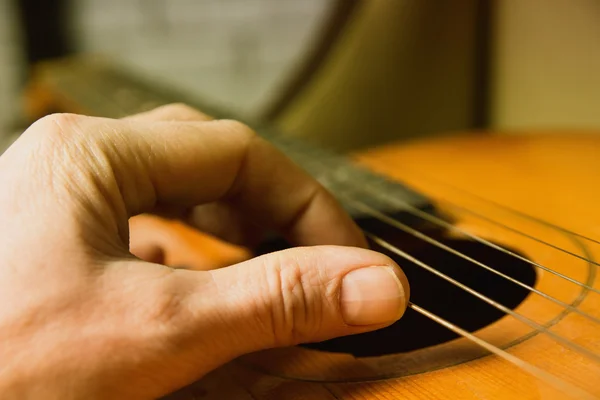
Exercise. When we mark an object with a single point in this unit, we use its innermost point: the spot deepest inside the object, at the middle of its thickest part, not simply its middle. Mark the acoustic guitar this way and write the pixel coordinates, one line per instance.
(496, 234)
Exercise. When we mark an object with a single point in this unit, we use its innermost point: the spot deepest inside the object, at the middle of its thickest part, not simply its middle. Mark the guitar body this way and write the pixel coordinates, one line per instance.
(550, 177)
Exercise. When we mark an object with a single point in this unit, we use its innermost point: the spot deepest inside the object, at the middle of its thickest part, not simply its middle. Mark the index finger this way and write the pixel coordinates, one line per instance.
(191, 163)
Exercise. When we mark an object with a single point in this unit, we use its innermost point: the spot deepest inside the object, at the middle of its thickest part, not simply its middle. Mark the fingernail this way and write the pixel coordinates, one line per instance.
(372, 295)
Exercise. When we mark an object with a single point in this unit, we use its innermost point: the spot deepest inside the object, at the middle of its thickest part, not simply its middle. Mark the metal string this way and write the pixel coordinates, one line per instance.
(504, 226)
(566, 342)
(539, 373)
(440, 222)
(393, 222)
(507, 208)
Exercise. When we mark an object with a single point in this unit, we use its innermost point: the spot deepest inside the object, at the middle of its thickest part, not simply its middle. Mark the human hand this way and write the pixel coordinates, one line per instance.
(81, 317)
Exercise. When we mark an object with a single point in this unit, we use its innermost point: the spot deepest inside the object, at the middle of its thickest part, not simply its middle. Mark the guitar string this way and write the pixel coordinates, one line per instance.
(395, 223)
(440, 222)
(558, 383)
(558, 338)
(535, 371)
(505, 207)
(524, 234)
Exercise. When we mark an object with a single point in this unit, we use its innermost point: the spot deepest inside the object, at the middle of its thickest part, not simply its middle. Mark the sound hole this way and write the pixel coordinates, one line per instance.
(445, 299)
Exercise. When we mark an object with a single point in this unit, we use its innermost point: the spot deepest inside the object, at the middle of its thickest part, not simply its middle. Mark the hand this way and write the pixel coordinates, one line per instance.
(81, 317)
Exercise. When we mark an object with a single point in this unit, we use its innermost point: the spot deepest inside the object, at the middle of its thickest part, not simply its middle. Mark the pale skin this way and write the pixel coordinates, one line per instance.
(84, 314)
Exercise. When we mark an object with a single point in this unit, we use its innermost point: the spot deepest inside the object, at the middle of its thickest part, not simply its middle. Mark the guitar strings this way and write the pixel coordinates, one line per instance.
(505, 207)
(537, 372)
(558, 338)
(539, 328)
(395, 223)
(524, 234)
(440, 222)
(558, 383)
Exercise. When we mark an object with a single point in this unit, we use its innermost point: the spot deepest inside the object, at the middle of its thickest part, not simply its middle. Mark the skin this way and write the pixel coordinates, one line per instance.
(83, 315)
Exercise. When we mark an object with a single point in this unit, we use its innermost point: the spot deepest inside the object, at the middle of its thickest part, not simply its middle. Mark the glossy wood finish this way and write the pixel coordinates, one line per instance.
(550, 177)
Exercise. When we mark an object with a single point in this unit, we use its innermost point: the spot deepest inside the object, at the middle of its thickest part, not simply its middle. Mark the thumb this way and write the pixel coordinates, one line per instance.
(303, 295)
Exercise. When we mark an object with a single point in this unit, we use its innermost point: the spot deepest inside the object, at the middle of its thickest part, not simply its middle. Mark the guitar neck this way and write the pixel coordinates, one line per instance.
(93, 88)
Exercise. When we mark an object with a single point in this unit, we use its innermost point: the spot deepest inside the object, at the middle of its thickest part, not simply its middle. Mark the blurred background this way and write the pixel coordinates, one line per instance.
(344, 73)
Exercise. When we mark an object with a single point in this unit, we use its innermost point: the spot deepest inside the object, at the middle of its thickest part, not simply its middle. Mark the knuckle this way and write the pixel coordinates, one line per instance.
(56, 125)
(181, 111)
(178, 108)
(238, 128)
(54, 132)
(62, 119)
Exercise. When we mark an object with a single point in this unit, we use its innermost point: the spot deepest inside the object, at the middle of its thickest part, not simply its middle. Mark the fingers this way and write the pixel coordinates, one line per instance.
(226, 222)
(167, 242)
(138, 165)
(164, 241)
(218, 219)
(200, 163)
(177, 245)
(280, 299)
